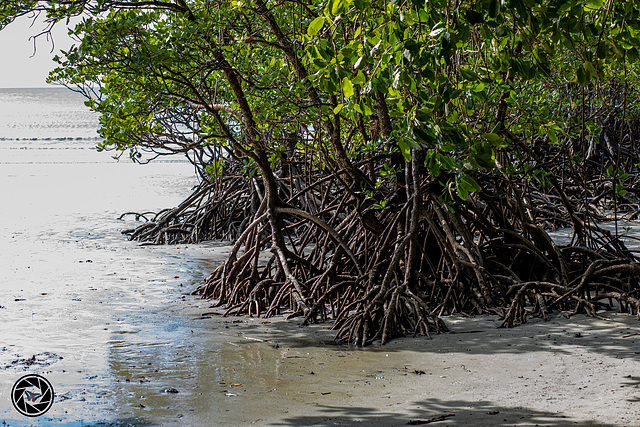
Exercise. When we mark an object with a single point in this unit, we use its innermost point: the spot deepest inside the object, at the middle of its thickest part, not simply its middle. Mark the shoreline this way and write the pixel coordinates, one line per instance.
(242, 371)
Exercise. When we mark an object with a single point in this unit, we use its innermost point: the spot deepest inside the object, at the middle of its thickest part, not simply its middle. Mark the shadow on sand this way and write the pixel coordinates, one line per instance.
(616, 337)
(439, 413)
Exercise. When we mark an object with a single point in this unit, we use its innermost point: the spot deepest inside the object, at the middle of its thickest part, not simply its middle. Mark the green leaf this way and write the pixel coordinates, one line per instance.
(478, 88)
(339, 6)
(423, 135)
(338, 108)
(617, 50)
(619, 190)
(482, 154)
(582, 76)
(469, 74)
(462, 192)
(359, 79)
(466, 185)
(437, 29)
(315, 26)
(336, 7)
(432, 163)
(495, 140)
(405, 149)
(593, 5)
(347, 88)
(469, 183)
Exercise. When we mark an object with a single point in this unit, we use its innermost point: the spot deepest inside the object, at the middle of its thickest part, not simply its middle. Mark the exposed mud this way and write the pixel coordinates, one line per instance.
(37, 360)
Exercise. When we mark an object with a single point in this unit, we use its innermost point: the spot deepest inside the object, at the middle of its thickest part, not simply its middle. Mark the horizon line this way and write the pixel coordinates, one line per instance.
(48, 86)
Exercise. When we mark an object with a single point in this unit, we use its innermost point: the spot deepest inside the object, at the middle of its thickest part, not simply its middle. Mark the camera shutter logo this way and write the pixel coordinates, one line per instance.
(32, 395)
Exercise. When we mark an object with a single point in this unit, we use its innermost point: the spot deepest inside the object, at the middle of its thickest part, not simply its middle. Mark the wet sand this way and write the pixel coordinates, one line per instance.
(172, 366)
(112, 324)
(578, 371)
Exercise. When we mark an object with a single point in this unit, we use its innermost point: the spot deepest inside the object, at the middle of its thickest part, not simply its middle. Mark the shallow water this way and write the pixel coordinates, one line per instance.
(111, 323)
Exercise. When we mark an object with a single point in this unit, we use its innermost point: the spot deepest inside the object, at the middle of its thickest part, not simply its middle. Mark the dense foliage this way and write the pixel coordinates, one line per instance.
(401, 159)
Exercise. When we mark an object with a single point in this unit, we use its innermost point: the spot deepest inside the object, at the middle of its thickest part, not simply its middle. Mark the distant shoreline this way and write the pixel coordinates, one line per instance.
(35, 87)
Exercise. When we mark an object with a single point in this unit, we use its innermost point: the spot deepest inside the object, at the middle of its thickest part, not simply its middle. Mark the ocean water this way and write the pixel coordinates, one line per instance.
(79, 303)
(110, 323)
(45, 114)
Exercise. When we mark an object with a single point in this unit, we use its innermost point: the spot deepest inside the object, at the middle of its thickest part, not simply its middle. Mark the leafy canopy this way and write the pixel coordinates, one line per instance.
(454, 84)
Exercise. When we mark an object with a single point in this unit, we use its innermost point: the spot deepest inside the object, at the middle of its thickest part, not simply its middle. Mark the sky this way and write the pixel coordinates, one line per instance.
(19, 67)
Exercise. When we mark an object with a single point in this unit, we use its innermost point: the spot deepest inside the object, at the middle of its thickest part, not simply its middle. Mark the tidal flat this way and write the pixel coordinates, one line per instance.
(114, 328)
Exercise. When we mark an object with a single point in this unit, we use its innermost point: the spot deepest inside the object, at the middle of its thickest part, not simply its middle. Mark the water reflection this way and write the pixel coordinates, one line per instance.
(224, 371)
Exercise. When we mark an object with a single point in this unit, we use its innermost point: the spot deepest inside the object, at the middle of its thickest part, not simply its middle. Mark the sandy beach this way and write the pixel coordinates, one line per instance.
(577, 371)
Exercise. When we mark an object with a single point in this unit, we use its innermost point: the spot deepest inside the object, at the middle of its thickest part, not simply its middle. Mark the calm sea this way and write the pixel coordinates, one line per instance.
(45, 114)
